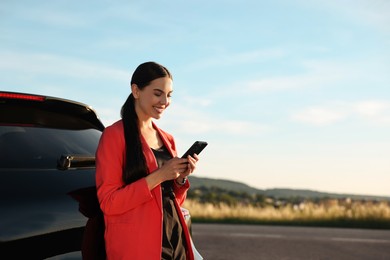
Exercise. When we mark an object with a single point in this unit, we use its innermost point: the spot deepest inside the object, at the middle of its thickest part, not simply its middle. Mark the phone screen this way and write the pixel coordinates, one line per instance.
(196, 147)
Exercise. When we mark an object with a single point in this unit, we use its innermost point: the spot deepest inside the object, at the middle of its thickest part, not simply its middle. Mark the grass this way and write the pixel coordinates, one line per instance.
(330, 213)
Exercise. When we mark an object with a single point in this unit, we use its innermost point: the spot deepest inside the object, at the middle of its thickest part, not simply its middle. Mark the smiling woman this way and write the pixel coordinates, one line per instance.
(141, 183)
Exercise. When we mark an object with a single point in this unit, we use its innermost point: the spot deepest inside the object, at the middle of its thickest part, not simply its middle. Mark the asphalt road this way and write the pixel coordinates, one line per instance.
(222, 242)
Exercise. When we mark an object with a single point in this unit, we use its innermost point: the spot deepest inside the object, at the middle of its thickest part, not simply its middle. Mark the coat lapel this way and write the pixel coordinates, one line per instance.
(168, 144)
(152, 166)
(152, 162)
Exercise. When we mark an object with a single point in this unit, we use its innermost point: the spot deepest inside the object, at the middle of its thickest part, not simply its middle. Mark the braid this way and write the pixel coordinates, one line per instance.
(135, 166)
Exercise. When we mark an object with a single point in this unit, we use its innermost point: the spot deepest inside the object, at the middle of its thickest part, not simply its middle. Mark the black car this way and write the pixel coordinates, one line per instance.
(48, 204)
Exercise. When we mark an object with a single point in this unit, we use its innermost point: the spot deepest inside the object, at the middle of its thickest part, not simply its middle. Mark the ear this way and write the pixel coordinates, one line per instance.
(135, 90)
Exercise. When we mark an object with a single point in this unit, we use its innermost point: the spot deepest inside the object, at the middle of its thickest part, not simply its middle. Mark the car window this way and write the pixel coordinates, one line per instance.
(34, 147)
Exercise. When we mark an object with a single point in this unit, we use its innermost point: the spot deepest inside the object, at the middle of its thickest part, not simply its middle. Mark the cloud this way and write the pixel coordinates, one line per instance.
(319, 116)
(374, 111)
(191, 101)
(372, 108)
(316, 74)
(373, 13)
(53, 14)
(229, 59)
(190, 120)
(283, 83)
(377, 112)
(212, 125)
(108, 115)
(38, 64)
(322, 73)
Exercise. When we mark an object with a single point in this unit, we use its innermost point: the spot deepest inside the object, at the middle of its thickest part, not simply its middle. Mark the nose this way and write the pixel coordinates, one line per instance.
(164, 100)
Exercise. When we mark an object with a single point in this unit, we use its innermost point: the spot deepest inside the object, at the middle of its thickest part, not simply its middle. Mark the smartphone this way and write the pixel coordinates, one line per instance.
(196, 147)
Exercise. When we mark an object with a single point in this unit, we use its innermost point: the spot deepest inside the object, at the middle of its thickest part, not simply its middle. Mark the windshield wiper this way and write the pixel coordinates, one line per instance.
(75, 161)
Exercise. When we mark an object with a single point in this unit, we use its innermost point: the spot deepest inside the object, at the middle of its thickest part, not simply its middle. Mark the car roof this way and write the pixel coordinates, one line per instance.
(46, 111)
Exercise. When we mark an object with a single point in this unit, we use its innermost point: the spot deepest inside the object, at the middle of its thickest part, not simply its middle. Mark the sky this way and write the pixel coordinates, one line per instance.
(288, 94)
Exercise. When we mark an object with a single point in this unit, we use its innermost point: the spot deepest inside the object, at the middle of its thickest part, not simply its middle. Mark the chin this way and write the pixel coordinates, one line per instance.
(157, 116)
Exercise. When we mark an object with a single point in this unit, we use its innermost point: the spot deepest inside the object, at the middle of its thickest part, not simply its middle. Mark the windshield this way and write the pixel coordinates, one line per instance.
(33, 147)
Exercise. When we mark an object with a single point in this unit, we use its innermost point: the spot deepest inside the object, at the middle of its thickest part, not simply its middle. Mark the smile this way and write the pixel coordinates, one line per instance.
(159, 109)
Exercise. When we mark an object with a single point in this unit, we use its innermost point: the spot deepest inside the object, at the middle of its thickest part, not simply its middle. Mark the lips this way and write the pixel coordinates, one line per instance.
(159, 109)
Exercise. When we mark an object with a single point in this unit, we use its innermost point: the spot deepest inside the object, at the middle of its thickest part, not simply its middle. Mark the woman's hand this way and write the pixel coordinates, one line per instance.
(173, 168)
(181, 180)
(191, 166)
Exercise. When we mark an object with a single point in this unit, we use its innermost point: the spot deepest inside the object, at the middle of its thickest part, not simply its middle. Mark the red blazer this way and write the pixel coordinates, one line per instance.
(132, 213)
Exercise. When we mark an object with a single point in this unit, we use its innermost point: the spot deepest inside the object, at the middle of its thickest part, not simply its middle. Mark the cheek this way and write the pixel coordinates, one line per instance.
(154, 100)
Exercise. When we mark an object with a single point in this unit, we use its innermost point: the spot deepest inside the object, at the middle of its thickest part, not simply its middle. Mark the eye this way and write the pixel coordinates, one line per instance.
(158, 93)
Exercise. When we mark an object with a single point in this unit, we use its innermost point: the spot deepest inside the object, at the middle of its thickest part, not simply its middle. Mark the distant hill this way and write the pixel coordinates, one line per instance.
(197, 182)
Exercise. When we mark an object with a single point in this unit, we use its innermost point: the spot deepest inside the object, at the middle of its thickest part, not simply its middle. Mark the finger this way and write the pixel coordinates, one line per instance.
(191, 167)
(182, 160)
(192, 162)
(196, 157)
(182, 167)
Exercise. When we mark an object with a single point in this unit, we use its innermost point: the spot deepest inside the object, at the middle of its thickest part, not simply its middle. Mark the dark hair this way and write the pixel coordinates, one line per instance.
(135, 166)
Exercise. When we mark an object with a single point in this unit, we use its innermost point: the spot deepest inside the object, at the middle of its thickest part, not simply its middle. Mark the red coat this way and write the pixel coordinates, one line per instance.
(132, 213)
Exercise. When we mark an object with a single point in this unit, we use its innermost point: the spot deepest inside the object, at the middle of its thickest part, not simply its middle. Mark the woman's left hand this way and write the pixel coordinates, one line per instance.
(191, 165)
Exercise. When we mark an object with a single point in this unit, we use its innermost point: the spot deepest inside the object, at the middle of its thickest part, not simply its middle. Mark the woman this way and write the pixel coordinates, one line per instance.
(140, 181)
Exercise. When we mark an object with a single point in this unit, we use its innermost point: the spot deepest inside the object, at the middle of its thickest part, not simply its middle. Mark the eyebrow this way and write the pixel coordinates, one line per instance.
(159, 90)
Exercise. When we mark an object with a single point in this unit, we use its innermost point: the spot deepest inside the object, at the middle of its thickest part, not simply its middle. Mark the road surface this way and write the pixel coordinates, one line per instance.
(223, 242)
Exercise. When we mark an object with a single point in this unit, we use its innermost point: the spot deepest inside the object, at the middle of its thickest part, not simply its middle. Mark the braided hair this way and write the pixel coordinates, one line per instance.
(135, 166)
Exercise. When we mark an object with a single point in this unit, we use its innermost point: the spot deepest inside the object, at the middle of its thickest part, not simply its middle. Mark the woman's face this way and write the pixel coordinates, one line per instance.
(152, 100)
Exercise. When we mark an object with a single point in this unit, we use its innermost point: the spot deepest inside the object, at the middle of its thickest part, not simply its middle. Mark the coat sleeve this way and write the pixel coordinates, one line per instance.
(114, 196)
(181, 192)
